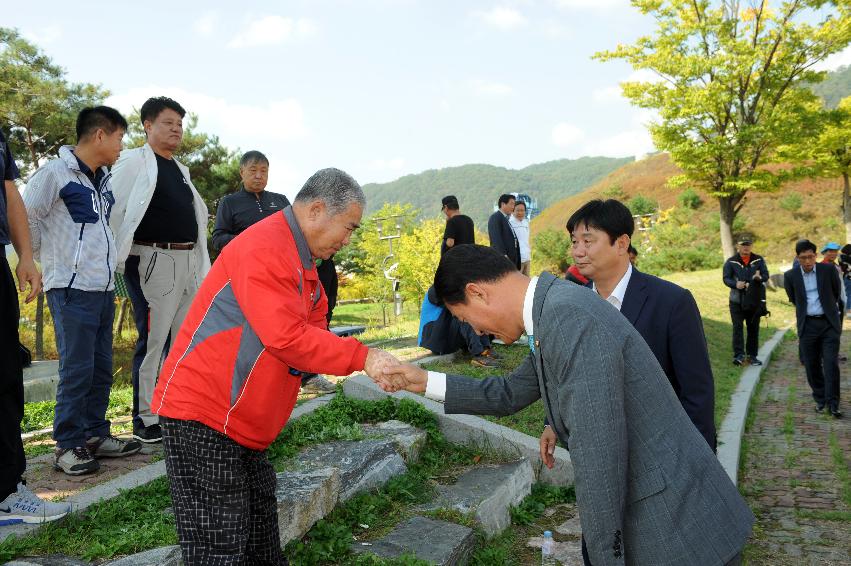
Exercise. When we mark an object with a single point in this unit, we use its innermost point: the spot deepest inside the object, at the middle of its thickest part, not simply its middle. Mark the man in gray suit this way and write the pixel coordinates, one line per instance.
(649, 489)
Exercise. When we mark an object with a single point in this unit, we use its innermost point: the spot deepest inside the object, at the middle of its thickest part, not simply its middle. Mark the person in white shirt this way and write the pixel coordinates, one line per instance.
(520, 224)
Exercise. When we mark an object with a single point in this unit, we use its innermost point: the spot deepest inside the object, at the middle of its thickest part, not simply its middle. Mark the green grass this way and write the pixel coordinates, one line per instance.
(40, 415)
(840, 467)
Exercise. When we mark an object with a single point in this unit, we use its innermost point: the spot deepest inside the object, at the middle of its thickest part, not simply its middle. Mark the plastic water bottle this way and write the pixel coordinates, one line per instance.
(548, 550)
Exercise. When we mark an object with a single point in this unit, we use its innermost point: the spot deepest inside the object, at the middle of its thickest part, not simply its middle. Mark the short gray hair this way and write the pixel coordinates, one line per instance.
(336, 188)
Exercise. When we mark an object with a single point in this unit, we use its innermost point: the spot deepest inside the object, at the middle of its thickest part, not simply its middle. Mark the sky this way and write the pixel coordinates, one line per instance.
(379, 88)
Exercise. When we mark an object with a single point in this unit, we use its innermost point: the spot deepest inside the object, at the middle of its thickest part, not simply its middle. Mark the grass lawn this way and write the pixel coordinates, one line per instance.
(712, 300)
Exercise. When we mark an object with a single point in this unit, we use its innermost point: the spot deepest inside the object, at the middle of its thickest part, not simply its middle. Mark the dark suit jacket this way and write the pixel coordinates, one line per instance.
(668, 319)
(648, 488)
(502, 237)
(829, 292)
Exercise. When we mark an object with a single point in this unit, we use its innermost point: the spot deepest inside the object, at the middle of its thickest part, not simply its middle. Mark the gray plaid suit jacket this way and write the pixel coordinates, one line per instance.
(648, 487)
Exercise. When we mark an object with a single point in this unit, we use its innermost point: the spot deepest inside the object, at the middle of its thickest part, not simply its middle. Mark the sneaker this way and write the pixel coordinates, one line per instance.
(148, 434)
(24, 506)
(484, 362)
(819, 407)
(75, 461)
(754, 361)
(111, 447)
(315, 383)
(490, 353)
(738, 360)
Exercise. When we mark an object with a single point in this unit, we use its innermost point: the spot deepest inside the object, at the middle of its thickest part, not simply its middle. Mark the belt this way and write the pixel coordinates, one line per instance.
(815, 316)
(166, 245)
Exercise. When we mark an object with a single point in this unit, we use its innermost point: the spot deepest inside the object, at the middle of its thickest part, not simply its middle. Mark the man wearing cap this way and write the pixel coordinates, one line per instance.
(459, 227)
(740, 271)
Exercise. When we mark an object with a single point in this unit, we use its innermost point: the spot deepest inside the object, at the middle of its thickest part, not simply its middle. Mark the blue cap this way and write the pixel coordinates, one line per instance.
(830, 246)
(548, 534)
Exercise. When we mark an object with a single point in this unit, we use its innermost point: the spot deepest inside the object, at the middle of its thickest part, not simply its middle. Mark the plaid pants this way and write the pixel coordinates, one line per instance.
(223, 496)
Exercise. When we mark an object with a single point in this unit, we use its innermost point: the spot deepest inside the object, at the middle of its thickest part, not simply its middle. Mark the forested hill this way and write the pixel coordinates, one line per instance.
(478, 186)
(835, 87)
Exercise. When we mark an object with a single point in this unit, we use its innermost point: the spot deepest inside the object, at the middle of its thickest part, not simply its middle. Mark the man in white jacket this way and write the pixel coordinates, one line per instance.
(68, 203)
(160, 225)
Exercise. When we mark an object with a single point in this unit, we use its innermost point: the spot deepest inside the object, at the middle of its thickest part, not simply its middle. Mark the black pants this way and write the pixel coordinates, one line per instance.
(820, 353)
(223, 496)
(12, 459)
(473, 343)
(739, 318)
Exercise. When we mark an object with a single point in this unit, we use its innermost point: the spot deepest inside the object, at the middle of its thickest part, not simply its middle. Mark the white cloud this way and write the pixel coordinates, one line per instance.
(236, 124)
(272, 30)
(483, 87)
(502, 17)
(628, 142)
(565, 134)
(833, 62)
(206, 24)
(41, 36)
(607, 94)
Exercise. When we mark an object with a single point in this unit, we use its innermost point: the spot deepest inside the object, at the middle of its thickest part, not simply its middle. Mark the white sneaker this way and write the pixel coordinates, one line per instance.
(24, 506)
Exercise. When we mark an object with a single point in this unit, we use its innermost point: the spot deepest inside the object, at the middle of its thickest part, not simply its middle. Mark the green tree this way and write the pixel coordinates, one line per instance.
(37, 104)
(733, 87)
(640, 204)
(551, 250)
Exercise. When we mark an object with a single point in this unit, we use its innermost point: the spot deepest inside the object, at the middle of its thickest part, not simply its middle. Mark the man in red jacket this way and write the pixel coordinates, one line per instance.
(228, 385)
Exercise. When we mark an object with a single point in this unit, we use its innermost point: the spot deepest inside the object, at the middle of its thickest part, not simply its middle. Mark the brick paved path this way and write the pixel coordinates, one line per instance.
(796, 470)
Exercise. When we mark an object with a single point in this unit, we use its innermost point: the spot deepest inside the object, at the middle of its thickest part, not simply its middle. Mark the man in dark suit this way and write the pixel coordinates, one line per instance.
(502, 236)
(665, 314)
(816, 291)
(648, 488)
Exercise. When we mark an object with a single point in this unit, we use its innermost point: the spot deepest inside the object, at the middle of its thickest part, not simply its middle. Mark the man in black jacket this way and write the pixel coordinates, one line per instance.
(501, 234)
(816, 291)
(740, 271)
(250, 204)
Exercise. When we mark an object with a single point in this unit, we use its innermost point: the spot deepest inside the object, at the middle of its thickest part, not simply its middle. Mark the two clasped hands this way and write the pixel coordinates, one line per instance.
(392, 375)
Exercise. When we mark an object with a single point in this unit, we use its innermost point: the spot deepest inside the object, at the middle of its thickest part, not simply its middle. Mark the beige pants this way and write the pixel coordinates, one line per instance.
(524, 267)
(169, 281)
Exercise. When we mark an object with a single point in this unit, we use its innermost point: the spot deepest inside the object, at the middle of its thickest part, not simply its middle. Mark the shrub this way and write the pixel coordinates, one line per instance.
(551, 250)
(791, 202)
(615, 191)
(640, 204)
(689, 199)
(680, 241)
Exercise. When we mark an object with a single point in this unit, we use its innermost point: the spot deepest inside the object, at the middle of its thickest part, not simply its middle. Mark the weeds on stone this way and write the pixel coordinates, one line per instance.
(840, 468)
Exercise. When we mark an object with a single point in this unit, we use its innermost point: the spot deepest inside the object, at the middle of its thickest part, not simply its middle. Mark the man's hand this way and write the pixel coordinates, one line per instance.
(548, 446)
(28, 276)
(757, 277)
(741, 284)
(376, 361)
(404, 376)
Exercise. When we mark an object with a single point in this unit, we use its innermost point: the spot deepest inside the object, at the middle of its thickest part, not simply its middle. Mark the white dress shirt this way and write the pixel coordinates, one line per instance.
(436, 384)
(616, 298)
(521, 230)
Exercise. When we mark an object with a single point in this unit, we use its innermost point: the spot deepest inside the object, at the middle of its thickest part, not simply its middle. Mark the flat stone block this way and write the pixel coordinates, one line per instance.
(571, 527)
(436, 542)
(304, 498)
(475, 431)
(408, 439)
(163, 556)
(487, 492)
(363, 465)
(52, 560)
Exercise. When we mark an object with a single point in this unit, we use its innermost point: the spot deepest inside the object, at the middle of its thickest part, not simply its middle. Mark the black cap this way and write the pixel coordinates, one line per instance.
(746, 240)
(450, 202)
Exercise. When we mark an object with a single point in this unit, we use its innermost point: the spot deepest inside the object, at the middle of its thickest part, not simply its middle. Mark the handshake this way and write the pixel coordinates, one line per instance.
(391, 375)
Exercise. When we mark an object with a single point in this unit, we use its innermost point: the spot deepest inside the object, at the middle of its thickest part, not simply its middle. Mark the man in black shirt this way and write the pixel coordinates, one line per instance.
(160, 226)
(459, 227)
(251, 203)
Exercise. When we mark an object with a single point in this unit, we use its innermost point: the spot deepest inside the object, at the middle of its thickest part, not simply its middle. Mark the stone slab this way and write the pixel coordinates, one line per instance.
(163, 556)
(733, 427)
(408, 439)
(487, 492)
(363, 465)
(304, 498)
(40, 381)
(475, 431)
(568, 552)
(436, 542)
(52, 560)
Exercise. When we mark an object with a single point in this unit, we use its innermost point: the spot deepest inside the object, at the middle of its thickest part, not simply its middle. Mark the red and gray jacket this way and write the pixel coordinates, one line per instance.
(259, 313)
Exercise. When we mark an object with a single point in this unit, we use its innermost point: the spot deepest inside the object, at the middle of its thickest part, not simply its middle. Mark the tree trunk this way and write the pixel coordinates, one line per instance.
(727, 210)
(846, 205)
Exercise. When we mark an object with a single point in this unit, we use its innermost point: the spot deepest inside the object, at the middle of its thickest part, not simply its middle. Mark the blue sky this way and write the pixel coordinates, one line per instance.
(380, 88)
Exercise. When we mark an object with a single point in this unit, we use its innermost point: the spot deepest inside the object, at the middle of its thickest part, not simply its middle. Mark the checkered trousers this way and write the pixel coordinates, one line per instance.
(224, 498)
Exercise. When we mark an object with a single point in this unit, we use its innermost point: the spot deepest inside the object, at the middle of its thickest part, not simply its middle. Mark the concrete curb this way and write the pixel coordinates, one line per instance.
(733, 427)
(475, 431)
(40, 381)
